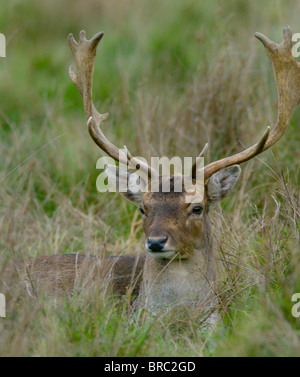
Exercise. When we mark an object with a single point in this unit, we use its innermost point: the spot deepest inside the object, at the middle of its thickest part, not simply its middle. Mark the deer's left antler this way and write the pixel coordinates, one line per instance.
(287, 76)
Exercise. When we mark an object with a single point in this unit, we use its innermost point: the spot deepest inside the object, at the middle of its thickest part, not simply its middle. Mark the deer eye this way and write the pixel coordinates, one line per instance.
(197, 210)
(142, 212)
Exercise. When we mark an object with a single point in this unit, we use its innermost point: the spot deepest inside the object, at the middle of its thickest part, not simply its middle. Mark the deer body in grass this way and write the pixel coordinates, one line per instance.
(179, 267)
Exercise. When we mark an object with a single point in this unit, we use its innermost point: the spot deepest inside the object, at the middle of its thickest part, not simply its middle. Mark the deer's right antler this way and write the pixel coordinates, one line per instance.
(287, 76)
(85, 53)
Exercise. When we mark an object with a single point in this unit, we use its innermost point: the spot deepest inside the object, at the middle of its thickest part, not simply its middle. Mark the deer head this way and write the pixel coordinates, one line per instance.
(174, 226)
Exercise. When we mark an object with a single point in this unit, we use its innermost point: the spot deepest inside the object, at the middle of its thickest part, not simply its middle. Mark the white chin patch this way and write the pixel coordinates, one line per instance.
(163, 254)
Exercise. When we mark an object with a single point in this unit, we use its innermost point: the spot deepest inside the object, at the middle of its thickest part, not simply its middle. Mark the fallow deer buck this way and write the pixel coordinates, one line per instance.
(179, 268)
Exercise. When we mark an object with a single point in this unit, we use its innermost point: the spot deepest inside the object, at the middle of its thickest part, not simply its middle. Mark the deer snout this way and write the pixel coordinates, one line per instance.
(156, 243)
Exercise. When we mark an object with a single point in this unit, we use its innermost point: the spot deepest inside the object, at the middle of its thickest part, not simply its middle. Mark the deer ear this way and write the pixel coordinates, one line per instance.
(221, 183)
(131, 185)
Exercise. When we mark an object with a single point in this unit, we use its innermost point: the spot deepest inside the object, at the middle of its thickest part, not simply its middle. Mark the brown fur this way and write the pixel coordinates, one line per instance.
(183, 275)
(60, 275)
(189, 277)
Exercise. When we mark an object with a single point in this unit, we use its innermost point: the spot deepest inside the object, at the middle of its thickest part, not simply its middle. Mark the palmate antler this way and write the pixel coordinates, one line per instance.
(287, 76)
(85, 53)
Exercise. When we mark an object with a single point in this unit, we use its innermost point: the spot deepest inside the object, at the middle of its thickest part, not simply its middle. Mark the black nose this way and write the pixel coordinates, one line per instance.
(156, 244)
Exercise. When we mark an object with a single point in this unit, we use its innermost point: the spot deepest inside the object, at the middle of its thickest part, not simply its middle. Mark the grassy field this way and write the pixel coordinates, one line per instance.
(173, 74)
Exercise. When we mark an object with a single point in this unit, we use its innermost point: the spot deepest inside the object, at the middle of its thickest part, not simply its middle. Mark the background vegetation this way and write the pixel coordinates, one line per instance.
(173, 74)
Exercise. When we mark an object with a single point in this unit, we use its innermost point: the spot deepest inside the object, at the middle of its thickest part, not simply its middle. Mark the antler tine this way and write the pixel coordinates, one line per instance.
(84, 52)
(197, 162)
(287, 76)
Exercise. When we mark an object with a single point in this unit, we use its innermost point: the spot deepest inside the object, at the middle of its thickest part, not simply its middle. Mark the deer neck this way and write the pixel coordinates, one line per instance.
(180, 281)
